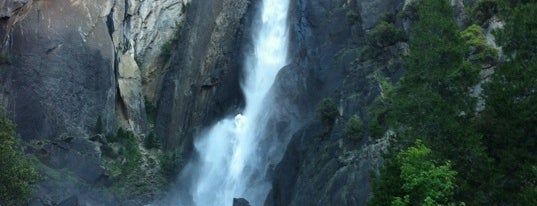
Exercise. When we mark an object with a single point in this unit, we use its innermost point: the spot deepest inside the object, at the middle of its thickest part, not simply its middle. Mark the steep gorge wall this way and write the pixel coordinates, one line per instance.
(72, 61)
(327, 39)
(202, 82)
(64, 64)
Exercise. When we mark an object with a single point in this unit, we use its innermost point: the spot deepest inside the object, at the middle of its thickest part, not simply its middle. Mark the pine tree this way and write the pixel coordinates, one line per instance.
(509, 119)
(432, 103)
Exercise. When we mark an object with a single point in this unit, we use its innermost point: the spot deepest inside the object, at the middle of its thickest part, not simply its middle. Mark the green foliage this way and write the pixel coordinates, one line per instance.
(167, 48)
(519, 38)
(411, 10)
(431, 102)
(18, 174)
(375, 128)
(353, 17)
(169, 164)
(384, 34)
(327, 112)
(508, 121)
(389, 17)
(354, 128)
(4, 59)
(484, 10)
(414, 178)
(476, 41)
(151, 141)
(99, 127)
(388, 185)
(150, 110)
(127, 147)
(493, 152)
(424, 182)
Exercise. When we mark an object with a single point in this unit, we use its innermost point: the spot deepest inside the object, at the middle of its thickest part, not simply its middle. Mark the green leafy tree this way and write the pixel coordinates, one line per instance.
(151, 141)
(354, 128)
(18, 174)
(327, 112)
(170, 163)
(424, 183)
(414, 178)
(384, 34)
(477, 43)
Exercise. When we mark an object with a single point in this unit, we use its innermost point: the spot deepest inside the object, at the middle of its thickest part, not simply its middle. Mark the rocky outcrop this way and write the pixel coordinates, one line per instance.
(139, 30)
(202, 82)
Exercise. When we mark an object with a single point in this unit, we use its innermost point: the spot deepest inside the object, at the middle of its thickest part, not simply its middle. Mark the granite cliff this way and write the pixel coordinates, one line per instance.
(170, 68)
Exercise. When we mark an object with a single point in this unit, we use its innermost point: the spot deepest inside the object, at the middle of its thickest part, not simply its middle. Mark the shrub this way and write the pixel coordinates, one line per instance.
(167, 48)
(352, 17)
(375, 128)
(326, 112)
(5, 60)
(354, 128)
(484, 10)
(18, 173)
(151, 141)
(169, 164)
(384, 34)
(150, 110)
(476, 41)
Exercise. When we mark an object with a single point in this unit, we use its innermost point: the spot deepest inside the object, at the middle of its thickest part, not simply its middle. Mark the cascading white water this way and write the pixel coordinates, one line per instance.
(229, 164)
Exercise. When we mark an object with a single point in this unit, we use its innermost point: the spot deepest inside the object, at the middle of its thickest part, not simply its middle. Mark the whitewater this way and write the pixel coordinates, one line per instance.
(230, 162)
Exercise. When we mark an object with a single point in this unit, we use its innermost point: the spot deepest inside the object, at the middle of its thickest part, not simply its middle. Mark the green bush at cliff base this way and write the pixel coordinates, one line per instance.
(18, 174)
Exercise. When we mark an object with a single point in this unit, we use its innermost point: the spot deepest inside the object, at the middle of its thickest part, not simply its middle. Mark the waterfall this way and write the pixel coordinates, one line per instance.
(230, 163)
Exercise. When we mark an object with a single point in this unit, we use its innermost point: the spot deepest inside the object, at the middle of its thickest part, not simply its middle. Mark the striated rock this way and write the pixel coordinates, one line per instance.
(61, 75)
(8, 7)
(130, 90)
(142, 29)
(138, 30)
(203, 79)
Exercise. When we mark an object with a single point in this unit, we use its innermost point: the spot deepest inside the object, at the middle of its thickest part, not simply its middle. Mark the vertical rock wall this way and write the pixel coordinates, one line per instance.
(67, 62)
(202, 82)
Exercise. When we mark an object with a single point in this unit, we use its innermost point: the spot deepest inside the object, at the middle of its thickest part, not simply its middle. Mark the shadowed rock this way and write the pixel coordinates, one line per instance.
(240, 202)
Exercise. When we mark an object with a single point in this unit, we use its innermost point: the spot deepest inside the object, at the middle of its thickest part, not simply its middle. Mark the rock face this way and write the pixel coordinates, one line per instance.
(65, 64)
(69, 62)
(240, 202)
(61, 75)
(326, 39)
(202, 82)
